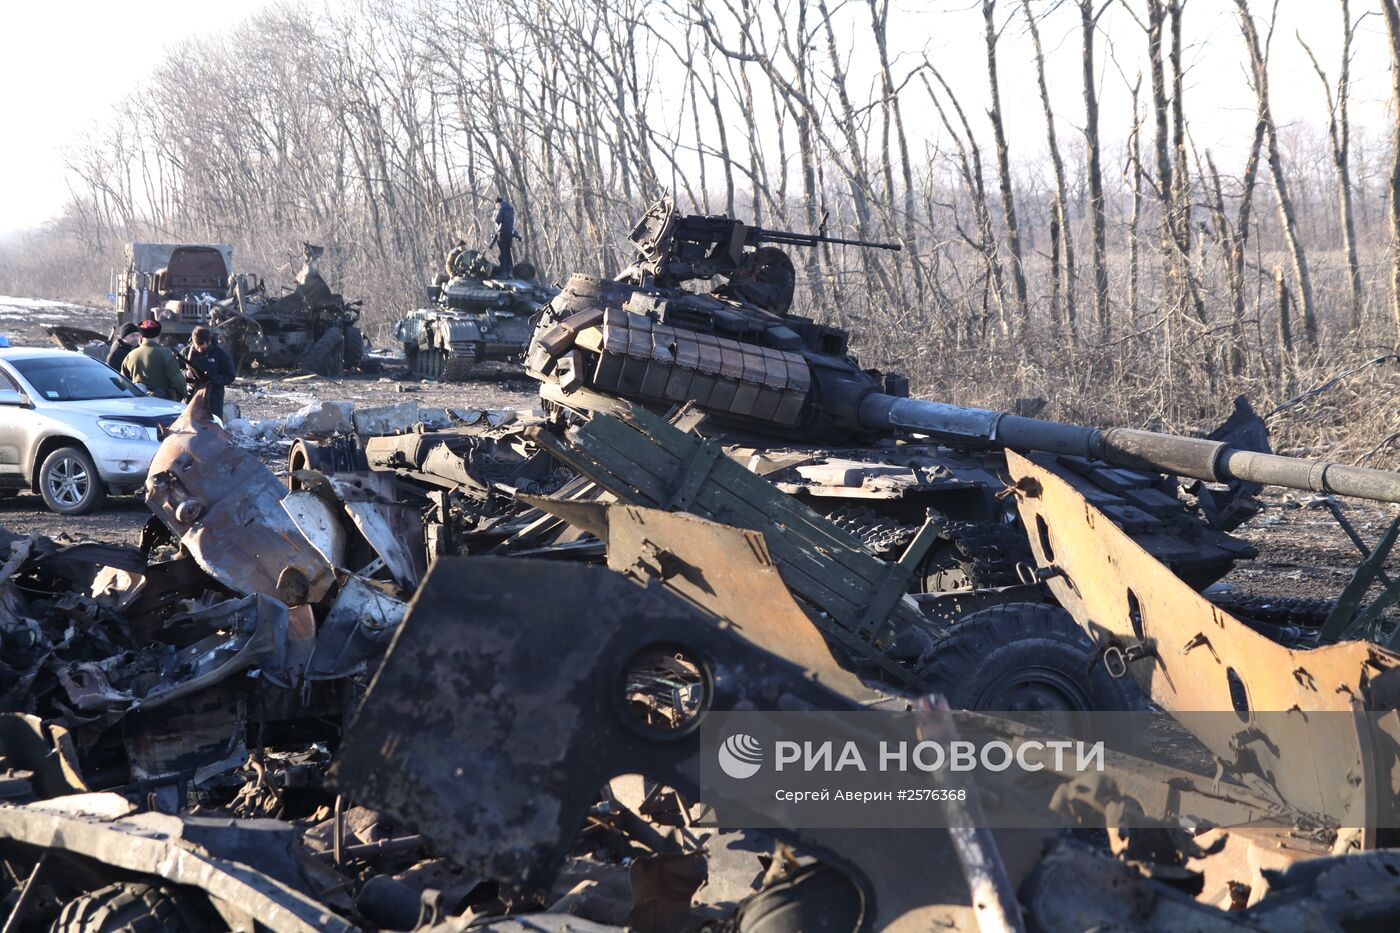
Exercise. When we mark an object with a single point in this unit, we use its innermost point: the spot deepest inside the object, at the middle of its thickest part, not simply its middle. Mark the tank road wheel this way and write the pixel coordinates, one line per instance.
(1024, 657)
(134, 908)
(459, 362)
(69, 483)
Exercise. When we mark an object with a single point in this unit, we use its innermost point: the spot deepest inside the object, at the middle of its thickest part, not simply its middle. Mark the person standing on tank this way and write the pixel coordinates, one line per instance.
(505, 235)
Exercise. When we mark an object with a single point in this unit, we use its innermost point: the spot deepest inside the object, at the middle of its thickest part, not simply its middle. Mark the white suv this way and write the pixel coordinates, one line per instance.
(73, 430)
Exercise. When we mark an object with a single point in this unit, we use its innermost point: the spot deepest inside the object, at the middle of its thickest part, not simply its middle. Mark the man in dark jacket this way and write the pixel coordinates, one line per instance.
(209, 368)
(505, 235)
(127, 339)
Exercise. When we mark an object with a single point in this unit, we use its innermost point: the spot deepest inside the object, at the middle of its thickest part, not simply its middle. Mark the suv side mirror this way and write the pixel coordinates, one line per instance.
(12, 397)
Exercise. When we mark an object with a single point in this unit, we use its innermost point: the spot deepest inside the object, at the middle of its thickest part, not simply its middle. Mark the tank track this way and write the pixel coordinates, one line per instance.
(885, 536)
(1275, 610)
(987, 553)
(445, 366)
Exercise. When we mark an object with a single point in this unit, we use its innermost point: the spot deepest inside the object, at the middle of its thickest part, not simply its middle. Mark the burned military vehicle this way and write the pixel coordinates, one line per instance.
(175, 283)
(922, 485)
(475, 316)
(784, 395)
(310, 327)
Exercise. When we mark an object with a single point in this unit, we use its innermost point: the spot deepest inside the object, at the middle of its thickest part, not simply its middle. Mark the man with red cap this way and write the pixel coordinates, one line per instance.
(154, 367)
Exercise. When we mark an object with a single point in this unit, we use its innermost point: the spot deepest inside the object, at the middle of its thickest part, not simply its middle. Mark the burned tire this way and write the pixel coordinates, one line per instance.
(134, 908)
(1024, 657)
(355, 347)
(69, 483)
(326, 357)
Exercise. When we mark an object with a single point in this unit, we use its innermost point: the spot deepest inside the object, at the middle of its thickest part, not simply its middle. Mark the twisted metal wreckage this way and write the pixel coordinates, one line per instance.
(166, 706)
(450, 679)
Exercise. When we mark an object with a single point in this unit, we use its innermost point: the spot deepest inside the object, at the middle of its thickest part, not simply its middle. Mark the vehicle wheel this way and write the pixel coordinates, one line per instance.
(355, 347)
(1024, 657)
(326, 357)
(133, 908)
(69, 483)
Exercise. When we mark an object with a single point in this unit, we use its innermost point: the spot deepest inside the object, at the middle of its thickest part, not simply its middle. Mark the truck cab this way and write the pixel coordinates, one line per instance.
(174, 283)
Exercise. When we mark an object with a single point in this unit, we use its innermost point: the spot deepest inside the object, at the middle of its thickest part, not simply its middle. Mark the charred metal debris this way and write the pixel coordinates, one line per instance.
(452, 677)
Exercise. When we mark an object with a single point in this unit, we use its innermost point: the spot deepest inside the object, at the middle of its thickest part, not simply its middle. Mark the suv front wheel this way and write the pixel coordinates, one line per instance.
(69, 483)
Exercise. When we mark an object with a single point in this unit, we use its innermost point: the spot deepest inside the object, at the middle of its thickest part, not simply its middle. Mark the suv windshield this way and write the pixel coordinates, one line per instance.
(75, 378)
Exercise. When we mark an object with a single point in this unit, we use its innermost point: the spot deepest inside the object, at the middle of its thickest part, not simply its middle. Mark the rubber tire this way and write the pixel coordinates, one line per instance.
(355, 347)
(326, 357)
(131, 908)
(1024, 656)
(816, 899)
(96, 492)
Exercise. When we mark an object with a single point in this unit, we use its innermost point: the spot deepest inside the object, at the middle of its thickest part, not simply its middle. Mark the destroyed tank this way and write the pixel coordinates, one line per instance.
(476, 315)
(311, 327)
(787, 399)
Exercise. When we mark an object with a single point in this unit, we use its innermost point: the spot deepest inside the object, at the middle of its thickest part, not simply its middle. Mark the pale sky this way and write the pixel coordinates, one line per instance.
(63, 63)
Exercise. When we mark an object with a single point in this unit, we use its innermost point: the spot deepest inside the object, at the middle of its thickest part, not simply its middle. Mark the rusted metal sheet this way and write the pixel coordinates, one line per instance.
(729, 572)
(225, 507)
(1192, 657)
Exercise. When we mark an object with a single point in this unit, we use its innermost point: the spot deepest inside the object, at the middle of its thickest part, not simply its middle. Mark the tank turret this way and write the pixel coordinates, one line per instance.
(739, 355)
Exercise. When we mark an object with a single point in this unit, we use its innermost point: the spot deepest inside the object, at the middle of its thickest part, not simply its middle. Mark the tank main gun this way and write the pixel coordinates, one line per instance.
(1194, 457)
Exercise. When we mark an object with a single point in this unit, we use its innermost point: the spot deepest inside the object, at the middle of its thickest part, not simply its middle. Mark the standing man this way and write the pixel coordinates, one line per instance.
(127, 339)
(505, 235)
(209, 368)
(154, 367)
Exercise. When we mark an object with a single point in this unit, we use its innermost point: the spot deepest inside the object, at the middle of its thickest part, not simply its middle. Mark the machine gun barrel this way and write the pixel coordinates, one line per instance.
(757, 235)
(1198, 458)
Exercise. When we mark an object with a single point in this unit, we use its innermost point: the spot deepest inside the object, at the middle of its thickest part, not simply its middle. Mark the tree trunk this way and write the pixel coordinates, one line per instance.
(1097, 258)
(1392, 22)
(1060, 205)
(1008, 201)
(1259, 67)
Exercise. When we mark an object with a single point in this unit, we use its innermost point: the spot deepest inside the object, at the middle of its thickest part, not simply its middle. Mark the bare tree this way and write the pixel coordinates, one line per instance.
(1008, 198)
(1088, 23)
(1259, 69)
(1060, 205)
(1391, 8)
(1339, 135)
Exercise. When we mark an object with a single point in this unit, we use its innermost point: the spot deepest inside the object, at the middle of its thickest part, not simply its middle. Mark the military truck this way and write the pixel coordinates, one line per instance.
(174, 283)
(474, 316)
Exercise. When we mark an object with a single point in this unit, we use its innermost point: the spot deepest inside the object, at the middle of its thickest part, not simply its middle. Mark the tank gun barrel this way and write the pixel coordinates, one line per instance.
(1197, 458)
